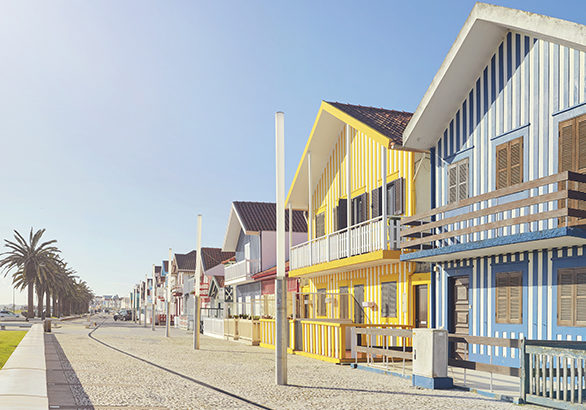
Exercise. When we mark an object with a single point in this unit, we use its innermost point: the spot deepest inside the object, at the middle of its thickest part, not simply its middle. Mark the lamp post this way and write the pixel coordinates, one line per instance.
(281, 308)
(168, 295)
(196, 287)
(153, 294)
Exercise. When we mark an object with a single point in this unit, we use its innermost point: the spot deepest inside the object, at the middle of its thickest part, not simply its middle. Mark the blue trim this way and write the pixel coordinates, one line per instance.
(500, 241)
(457, 156)
(568, 109)
(562, 263)
(510, 132)
(432, 382)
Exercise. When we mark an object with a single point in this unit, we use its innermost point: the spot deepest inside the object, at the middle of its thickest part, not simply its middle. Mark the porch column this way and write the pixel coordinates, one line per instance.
(348, 188)
(309, 206)
(384, 195)
(290, 232)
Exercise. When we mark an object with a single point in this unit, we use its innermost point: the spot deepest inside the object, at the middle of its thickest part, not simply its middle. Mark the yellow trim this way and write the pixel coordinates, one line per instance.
(390, 178)
(321, 210)
(358, 191)
(346, 263)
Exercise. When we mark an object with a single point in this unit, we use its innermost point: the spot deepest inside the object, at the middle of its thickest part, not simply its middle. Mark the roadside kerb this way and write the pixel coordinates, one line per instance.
(23, 379)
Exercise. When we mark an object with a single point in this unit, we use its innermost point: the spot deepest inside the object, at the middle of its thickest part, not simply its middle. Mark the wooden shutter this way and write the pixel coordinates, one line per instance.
(321, 311)
(565, 297)
(364, 207)
(502, 165)
(516, 161)
(581, 142)
(502, 284)
(335, 219)
(320, 225)
(376, 202)
(580, 311)
(452, 183)
(344, 302)
(515, 297)
(399, 196)
(566, 146)
(342, 213)
(462, 179)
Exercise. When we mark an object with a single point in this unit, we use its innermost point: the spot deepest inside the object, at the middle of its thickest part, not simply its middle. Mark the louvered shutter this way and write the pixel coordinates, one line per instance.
(502, 165)
(342, 213)
(452, 183)
(335, 218)
(364, 207)
(376, 202)
(463, 180)
(389, 299)
(502, 284)
(580, 311)
(581, 141)
(320, 229)
(344, 302)
(516, 161)
(515, 297)
(565, 297)
(399, 196)
(566, 146)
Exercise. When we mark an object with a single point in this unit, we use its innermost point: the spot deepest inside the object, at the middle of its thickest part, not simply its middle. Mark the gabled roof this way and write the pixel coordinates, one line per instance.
(390, 123)
(157, 270)
(210, 257)
(482, 32)
(165, 268)
(255, 217)
(186, 261)
(382, 125)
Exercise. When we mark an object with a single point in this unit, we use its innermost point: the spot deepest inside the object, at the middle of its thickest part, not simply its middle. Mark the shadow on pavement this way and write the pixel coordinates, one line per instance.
(63, 387)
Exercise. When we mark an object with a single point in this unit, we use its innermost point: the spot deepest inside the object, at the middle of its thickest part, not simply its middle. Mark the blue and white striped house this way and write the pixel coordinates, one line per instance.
(504, 122)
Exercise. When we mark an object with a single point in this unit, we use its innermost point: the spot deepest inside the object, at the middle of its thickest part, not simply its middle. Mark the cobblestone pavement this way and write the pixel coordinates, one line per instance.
(224, 374)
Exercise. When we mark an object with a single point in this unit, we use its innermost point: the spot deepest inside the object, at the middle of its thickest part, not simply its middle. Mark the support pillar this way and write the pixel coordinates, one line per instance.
(348, 188)
(385, 236)
(168, 294)
(196, 288)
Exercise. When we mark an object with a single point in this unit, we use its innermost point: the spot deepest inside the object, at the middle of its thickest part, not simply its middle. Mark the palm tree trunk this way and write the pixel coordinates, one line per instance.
(48, 303)
(54, 307)
(31, 302)
(40, 302)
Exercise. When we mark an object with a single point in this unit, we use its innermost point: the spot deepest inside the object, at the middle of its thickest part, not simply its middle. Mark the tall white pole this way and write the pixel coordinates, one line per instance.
(145, 304)
(280, 296)
(153, 294)
(384, 196)
(348, 188)
(168, 294)
(196, 287)
(309, 204)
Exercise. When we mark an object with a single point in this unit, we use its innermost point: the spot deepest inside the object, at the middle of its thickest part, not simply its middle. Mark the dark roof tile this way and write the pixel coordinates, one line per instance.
(390, 123)
(260, 216)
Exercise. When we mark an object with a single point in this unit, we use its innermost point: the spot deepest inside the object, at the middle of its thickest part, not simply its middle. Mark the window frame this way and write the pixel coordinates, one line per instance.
(388, 282)
(457, 165)
(507, 146)
(574, 322)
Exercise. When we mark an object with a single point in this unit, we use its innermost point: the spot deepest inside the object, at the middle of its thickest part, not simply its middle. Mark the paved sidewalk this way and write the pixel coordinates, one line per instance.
(227, 374)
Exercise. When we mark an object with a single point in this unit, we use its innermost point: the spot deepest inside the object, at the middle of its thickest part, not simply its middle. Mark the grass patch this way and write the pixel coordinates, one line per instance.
(9, 339)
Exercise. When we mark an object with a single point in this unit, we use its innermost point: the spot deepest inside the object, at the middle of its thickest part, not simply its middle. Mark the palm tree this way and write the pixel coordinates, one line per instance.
(34, 262)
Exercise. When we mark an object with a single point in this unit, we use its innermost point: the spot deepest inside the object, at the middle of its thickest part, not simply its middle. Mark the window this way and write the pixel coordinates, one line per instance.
(395, 199)
(572, 145)
(572, 297)
(509, 297)
(340, 212)
(458, 181)
(321, 302)
(360, 209)
(509, 163)
(389, 299)
(320, 225)
(344, 314)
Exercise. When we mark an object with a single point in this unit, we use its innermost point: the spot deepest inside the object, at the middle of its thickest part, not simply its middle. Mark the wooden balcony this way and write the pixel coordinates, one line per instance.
(241, 272)
(544, 213)
(359, 239)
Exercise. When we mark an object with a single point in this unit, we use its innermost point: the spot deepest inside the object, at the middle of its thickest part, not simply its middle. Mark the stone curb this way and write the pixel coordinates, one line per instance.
(23, 379)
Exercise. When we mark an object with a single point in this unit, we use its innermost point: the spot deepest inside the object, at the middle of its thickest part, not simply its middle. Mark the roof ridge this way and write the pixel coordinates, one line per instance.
(369, 106)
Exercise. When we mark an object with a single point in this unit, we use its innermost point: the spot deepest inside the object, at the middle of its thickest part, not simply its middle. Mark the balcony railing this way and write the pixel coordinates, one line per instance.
(364, 237)
(543, 204)
(241, 271)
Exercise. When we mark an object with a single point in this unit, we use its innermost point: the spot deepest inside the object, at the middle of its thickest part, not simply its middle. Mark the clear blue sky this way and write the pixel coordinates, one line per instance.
(120, 121)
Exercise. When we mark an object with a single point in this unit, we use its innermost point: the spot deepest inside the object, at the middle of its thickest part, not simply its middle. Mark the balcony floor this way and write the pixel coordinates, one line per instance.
(546, 239)
(347, 264)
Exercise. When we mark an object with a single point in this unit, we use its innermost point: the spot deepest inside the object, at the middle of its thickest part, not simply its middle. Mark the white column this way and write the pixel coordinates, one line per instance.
(280, 296)
(168, 294)
(348, 187)
(146, 287)
(196, 287)
(309, 205)
(153, 292)
(384, 195)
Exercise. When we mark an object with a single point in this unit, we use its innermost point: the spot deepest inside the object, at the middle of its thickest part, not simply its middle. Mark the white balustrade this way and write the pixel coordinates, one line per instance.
(241, 271)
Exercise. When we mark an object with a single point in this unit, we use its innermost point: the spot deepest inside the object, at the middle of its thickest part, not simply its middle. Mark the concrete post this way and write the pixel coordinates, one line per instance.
(196, 287)
(348, 188)
(384, 196)
(430, 359)
(280, 297)
(309, 206)
(145, 303)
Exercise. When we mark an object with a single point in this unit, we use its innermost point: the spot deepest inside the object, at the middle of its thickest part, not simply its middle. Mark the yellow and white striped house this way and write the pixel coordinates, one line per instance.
(349, 268)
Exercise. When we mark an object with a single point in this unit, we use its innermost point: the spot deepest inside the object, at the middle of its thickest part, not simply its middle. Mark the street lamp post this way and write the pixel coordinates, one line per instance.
(168, 295)
(196, 287)
(280, 295)
(153, 294)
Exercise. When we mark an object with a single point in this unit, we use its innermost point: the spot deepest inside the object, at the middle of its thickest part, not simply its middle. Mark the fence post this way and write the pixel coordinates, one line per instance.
(524, 369)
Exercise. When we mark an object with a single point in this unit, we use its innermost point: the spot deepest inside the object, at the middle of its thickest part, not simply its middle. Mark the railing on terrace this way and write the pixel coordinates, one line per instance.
(242, 270)
(553, 373)
(338, 306)
(358, 239)
(554, 201)
(380, 345)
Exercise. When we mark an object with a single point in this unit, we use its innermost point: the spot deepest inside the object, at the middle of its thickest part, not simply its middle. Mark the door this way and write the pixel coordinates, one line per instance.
(459, 310)
(421, 306)
(358, 299)
(344, 302)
